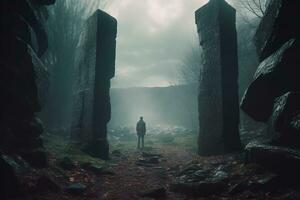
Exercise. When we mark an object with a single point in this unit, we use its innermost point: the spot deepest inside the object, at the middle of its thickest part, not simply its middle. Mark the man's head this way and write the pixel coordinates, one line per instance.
(141, 118)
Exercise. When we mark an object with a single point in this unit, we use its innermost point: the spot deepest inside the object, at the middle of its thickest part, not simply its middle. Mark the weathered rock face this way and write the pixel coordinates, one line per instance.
(95, 68)
(285, 119)
(273, 96)
(23, 77)
(11, 169)
(281, 160)
(218, 95)
(277, 26)
(275, 76)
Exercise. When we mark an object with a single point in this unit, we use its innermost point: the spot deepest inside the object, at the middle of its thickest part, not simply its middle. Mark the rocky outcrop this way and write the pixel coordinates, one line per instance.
(23, 77)
(275, 76)
(285, 120)
(272, 96)
(12, 168)
(76, 189)
(277, 27)
(281, 160)
(200, 189)
(156, 193)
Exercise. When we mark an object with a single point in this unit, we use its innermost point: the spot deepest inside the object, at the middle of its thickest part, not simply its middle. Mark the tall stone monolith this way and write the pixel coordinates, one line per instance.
(95, 66)
(218, 91)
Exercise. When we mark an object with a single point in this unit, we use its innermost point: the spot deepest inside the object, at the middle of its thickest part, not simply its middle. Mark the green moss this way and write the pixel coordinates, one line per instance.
(60, 148)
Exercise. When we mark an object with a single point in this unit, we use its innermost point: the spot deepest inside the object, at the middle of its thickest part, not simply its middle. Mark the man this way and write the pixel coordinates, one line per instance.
(141, 131)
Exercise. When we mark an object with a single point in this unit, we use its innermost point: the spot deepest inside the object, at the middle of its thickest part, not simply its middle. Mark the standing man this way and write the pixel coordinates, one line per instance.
(141, 131)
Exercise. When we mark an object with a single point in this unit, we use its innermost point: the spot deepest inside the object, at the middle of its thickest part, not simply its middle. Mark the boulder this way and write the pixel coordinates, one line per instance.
(157, 193)
(219, 176)
(285, 118)
(275, 76)
(96, 169)
(200, 189)
(12, 169)
(281, 160)
(116, 153)
(143, 164)
(277, 26)
(295, 123)
(190, 168)
(264, 182)
(150, 160)
(76, 189)
(238, 188)
(148, 154)
(200, 175)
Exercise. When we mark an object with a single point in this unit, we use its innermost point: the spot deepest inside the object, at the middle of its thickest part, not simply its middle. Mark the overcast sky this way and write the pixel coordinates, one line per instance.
(153, 36)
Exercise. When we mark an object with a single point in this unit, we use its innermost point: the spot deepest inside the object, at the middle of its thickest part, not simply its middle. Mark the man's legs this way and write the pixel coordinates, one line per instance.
(142, 141)
(139, 138)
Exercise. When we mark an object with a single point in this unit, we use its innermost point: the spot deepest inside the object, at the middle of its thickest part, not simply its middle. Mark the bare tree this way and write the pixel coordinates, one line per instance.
(64, 25)
(190, 67)
(256, 8)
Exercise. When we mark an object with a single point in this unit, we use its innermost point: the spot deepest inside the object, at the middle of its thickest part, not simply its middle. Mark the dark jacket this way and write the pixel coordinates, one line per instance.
(141, 127)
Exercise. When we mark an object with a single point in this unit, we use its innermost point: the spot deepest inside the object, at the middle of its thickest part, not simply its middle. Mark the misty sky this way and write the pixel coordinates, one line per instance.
(153, 36)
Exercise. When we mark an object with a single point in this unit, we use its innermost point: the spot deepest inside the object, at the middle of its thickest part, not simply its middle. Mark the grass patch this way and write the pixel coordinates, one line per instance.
(61, 147)
(165, 138)
(188, 142)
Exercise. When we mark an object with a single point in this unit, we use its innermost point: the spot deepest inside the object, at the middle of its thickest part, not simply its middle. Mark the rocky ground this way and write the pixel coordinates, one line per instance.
(163, 170)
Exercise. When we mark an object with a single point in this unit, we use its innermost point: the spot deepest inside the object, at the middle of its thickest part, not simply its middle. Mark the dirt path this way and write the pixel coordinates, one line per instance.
(131, 174)
(131, 179)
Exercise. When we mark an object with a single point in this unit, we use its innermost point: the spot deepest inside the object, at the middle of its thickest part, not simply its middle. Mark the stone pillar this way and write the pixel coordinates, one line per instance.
(218, 91)
(94, 69)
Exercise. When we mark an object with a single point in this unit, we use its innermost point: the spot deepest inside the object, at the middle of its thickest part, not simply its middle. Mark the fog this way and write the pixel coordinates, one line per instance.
(168, 106)
(157, 40)
(153, 36)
